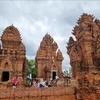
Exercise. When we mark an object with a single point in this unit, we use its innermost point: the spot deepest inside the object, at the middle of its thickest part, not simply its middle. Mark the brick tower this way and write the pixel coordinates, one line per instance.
(85, 57)
(49, 58)
(12, 55)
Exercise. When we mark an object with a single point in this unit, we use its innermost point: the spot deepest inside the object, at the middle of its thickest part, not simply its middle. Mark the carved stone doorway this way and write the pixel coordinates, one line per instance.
(53, 75)
(5, 76)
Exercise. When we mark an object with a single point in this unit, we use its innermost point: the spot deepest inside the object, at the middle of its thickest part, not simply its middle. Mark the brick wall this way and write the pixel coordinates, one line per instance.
(51, 93)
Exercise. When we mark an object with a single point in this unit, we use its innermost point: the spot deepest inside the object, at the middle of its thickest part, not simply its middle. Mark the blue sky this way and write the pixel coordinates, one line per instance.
(35, 18)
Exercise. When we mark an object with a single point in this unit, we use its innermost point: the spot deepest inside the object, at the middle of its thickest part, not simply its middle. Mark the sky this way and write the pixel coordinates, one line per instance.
(35, 18)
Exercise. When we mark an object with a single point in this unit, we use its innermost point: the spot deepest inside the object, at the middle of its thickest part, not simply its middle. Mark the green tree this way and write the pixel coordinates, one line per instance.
(31, 63)
(67, 73)
(70, 72)
(31, 70)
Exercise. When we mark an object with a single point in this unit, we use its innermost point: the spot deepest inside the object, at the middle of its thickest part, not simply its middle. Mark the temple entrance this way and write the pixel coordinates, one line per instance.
(53, 75)
(5, 76)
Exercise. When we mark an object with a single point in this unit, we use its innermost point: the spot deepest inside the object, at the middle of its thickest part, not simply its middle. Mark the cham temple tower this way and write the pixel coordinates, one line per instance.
(49, 58)
(84, 53)
(12, 56)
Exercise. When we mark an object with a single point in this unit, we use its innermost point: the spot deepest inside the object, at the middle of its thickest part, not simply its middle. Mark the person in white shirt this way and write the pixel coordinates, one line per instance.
(57, 77)
(42, 83)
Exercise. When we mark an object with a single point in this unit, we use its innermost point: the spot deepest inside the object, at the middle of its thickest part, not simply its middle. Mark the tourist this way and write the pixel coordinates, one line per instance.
(42, 83)
(46, 83)
(51, 79)
(34, 82)
(15, 80)
(49, 83)
(37, 84)
(57, 77)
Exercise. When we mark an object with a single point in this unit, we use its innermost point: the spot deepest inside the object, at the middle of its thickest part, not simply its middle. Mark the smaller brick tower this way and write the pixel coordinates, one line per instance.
(48, 58)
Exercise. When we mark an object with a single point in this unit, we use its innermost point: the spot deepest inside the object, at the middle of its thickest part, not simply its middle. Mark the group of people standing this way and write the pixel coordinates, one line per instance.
(41, 83)
(38, 83)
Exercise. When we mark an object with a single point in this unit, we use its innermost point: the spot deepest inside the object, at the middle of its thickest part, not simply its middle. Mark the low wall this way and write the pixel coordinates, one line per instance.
(49, 93)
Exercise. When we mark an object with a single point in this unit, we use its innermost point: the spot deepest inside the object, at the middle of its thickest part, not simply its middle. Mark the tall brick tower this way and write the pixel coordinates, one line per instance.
(85, 57)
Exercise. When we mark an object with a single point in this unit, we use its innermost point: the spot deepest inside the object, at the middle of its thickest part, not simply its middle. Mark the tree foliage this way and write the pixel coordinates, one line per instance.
(67, 73)
(31, 63)
(31, 70)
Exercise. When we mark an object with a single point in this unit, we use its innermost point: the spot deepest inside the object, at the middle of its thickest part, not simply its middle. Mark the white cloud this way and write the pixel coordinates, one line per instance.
(35, 18)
